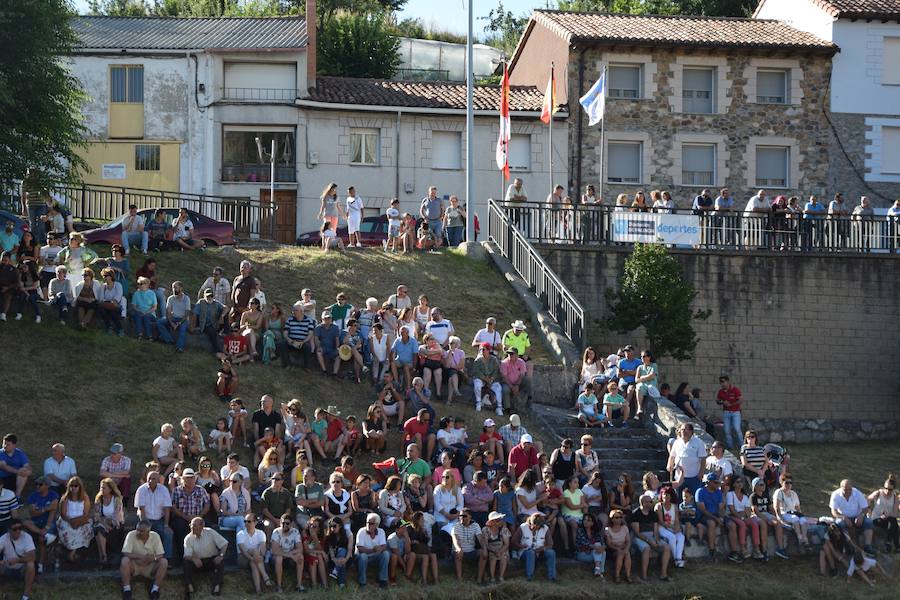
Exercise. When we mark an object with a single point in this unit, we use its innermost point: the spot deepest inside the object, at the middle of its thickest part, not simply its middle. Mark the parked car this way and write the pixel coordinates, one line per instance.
(373, 231)
(214, 233)
(21, 223)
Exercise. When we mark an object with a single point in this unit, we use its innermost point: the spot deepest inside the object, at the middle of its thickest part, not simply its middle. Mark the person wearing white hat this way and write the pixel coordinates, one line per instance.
(189, 500)
(517, 338)
(494, 541)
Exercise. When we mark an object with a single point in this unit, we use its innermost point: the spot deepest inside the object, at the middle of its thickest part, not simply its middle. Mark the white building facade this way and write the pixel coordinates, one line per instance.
(864, 105)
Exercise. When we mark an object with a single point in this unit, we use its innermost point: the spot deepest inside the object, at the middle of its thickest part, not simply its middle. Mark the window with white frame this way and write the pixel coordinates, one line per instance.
(698, 164)
(520, 152)
(126, 84)
(446, 149)
(890, 72)
(624, 81)
(773, 164)
(365, 147)
(146, 157)
(772, 86)
(698, 90)
(890, 150)
(623, 162)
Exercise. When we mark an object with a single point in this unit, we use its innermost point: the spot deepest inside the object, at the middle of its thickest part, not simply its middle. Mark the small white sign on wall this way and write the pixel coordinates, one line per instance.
(113, 171)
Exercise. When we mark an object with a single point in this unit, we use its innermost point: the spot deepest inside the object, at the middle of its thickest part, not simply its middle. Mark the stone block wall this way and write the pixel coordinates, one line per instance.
(738, 122)
(804, 337)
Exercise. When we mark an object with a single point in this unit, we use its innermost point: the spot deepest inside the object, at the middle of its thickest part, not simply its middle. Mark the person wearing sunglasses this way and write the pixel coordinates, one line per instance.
(885, 511)
(340, 550)
(251, 543)
(18, 553)
(287, 545)
(618, 543)
(74, 523)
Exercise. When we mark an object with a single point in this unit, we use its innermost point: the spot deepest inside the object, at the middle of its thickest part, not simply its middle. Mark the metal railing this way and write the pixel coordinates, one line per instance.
(546, 285)
(545, 223)
(100, 203)
(259, 94)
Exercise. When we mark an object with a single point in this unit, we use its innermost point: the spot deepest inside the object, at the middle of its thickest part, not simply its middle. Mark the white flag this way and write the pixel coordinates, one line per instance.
(594, 102)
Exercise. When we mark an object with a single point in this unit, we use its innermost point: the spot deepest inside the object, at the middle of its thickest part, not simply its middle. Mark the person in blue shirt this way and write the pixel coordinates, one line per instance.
(328, 338)
(14, 467)
(42, 503)
(725, 220)
(711, 504)
(813, 218)
(627, 368)
(404, 350)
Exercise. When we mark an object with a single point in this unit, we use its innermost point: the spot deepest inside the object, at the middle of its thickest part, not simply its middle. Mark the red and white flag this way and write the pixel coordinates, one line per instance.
(503, 139)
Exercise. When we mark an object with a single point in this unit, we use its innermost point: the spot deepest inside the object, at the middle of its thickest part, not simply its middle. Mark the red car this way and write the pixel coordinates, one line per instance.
(214, 233)
(372, 230)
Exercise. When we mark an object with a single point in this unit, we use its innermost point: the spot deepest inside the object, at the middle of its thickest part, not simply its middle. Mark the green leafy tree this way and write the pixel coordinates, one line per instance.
(415, 28)
(503, 28)
(654, 295)
(711, 8)
(120, 8)
(358, 45)
(40, 101)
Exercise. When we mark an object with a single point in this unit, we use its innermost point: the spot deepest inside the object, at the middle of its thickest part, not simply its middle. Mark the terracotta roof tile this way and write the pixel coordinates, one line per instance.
(850, 9)
(420, 94)
(687, 30)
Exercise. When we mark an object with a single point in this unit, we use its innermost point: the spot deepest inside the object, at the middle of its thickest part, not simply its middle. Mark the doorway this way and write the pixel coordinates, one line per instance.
(285, 230)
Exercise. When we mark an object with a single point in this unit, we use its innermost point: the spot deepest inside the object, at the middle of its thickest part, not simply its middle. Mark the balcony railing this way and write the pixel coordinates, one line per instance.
(259, 94)
(258, 173)
(542, 223)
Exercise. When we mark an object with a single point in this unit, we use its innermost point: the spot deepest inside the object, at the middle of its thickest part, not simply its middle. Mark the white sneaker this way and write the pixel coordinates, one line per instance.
(37, 319)
(384, 245)
(358, 245)
(2, 316)
(499, 412)
(478, 407)
(18, 316)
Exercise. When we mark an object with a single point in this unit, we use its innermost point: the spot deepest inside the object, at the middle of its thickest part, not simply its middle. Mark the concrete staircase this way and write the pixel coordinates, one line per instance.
(634, 450)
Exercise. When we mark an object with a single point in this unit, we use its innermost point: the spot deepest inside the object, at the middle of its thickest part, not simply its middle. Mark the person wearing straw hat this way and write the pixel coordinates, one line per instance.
(351, 351)
(517, 338)
(336, 432)
(494, 540)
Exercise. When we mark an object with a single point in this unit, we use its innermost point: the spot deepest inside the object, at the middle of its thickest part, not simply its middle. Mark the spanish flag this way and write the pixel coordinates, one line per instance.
(551, 106)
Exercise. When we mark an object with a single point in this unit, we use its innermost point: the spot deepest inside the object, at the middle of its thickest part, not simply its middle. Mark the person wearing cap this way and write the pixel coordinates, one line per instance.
(243, 289)
(711, 504)
(515, 381)
(276, 500)
(59, 468)
(535, 542)
(645, 536)
(688, 455)
(516, 337)
(219, 285)
(494, 542)
(299, 337)
(189, 500)
(18, 553)
(513, 431)
(522, 457)
(371, 548)
(490, 439)
(143, 556)
(43, 504)
(204, 550)
(489, 335)
(329, 338)
(486, 372)
(208, 318)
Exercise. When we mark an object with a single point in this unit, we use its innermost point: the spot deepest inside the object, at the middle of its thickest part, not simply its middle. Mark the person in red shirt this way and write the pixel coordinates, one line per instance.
(522, 457)
(417, 430)
(729, 398)
(336, 433)
(235, 347)
(490, 440)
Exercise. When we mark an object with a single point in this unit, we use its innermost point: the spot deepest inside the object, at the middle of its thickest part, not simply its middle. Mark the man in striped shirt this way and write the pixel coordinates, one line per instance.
(8, 503)
(298, 337)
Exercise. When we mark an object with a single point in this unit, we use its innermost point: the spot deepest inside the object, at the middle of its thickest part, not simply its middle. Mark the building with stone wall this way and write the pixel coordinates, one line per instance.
(805, 337)
(865, 89)
(692, 102)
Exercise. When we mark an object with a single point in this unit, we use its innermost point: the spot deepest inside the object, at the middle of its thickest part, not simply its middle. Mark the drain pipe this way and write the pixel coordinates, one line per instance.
(580, 125)
(397, 157)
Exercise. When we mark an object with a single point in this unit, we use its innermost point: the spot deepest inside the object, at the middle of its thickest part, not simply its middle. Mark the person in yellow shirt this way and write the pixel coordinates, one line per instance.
(143, 556)
(517, 338)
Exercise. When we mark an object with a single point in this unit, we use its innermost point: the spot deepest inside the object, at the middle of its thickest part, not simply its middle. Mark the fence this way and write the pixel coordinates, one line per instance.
(774, 231)
(550, 290)
(251, 218)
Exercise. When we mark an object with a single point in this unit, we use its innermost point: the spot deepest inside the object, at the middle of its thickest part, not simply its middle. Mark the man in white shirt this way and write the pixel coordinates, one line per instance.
(688, 453)
(516, 193)
(133, 231)
(204, 550)
(220, 286)
(154, 504)
(401, 299)
(17, 548)
(439, 327)
(489, 335)
(848, 507)
(754, 214)
(837, 215)
(371, 547)
(354, 216)
(59, 468)
(232, 466)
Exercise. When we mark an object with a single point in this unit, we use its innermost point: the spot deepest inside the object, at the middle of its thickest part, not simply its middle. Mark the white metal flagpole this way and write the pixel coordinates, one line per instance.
(470, 130)
(552, 90)
(602, 143)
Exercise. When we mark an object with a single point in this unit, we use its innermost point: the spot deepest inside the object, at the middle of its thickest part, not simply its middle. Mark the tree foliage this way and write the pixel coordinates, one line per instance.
(40, 101)
(358, 45)
(652, 293)
(711, 8)
(417, 29)
(504, 28)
